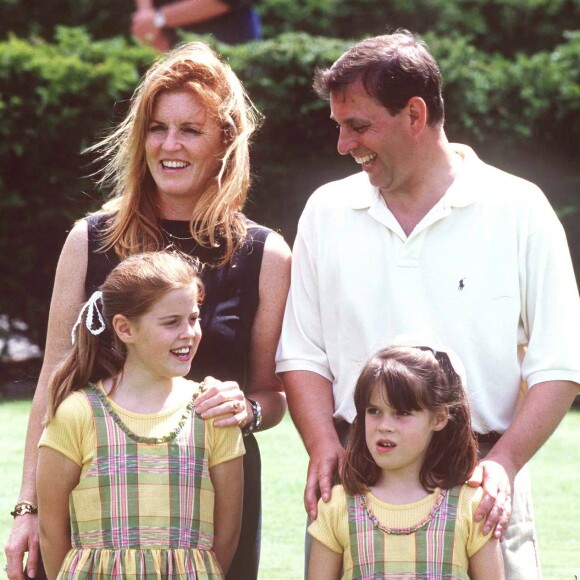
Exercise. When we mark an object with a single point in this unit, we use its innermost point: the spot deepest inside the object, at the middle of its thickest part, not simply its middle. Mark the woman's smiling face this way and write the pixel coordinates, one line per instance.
(183, 148)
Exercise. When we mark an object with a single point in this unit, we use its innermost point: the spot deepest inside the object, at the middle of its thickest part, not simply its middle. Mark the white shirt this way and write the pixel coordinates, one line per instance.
(487, 270)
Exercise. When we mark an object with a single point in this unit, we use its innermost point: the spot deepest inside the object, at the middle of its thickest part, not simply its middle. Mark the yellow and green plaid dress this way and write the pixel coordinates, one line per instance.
(431, 539)
(145, 506)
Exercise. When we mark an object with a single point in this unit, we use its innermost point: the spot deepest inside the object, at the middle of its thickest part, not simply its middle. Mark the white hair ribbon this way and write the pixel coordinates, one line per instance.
(93, 311)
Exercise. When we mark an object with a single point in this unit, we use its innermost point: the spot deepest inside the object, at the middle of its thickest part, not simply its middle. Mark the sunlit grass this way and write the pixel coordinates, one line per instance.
(554, 470)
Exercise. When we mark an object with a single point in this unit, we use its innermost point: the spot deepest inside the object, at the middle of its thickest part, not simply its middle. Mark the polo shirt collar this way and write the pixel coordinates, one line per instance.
(468, 186)
(364, 195)
(465, 190)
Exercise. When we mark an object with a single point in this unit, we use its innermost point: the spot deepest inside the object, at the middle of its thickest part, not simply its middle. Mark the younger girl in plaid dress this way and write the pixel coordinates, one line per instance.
(132, 483)
(402, 510)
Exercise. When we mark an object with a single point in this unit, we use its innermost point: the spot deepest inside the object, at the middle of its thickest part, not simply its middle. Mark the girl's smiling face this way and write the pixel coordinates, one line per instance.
(398, 440)
(164, 340)
(183, 148)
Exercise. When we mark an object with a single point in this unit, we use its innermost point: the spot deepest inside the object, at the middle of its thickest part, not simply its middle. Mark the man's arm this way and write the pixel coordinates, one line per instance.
(551, 320)
(311, 404)
(543, 409)
(175, 15)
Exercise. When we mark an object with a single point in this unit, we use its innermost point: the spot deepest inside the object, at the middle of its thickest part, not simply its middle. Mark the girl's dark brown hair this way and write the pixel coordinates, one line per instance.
(130, 289)
(413, 379)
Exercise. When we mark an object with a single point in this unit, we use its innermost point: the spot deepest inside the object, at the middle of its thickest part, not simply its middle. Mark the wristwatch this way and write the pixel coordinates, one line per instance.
(159, 19)
(255, 424)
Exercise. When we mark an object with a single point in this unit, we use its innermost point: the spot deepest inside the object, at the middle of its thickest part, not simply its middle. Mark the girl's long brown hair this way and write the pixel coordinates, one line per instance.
(130, 289)
(413, 379)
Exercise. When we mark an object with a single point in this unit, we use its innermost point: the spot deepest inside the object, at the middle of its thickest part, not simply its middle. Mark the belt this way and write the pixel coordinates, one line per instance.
(343, 430)
(489, 438)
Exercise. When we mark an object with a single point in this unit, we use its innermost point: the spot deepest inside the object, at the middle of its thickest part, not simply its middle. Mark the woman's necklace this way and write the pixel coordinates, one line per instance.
(364, 503)
(173, 236)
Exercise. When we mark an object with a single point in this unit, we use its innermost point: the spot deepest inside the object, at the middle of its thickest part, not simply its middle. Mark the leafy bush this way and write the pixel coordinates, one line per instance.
(505, 26)
(38, 18)
(57, 98)
(54, 100)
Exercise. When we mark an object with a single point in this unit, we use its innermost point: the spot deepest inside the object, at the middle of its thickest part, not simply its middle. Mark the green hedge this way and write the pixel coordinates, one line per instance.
(54, 101)
(56, 98)
(41, 18)
(505, 26)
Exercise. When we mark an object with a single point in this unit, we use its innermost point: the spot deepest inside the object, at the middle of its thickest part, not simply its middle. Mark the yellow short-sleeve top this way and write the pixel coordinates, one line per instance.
(331, 527)
(72, 429)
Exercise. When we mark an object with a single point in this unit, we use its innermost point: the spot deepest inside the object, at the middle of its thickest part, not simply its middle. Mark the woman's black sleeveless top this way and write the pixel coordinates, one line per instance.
(231, 294)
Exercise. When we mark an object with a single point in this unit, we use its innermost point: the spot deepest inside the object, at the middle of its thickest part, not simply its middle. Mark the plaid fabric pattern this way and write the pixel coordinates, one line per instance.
(145, 507)
(432, 546)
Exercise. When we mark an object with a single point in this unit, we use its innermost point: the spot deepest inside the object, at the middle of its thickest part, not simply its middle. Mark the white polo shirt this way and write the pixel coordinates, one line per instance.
(487, 270)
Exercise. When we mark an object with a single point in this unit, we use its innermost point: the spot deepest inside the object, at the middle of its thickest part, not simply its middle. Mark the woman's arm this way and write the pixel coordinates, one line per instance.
(487, 562)
(228, 483)
(324, 564)
(263, 385)
(67, 296)
(57, 477)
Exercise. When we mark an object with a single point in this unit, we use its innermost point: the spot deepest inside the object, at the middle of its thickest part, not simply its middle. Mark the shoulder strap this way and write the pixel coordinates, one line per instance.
(99, 263)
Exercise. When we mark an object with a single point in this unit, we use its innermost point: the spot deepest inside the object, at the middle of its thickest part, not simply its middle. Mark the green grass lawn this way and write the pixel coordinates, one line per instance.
(554, 470)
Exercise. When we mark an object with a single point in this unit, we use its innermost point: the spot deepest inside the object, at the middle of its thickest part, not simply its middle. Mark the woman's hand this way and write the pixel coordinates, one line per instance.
(23, 538)
(221, 398)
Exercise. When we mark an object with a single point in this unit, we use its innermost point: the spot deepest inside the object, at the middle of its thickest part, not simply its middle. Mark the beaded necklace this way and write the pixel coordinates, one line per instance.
(364, 503)
(151, 440)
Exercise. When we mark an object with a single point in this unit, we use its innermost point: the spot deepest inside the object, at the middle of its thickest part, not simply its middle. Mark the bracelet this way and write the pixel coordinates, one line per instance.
(24, 507)
(256, 422)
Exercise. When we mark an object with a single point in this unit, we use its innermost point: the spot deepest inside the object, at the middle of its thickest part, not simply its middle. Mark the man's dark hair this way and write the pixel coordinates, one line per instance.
(392, 68)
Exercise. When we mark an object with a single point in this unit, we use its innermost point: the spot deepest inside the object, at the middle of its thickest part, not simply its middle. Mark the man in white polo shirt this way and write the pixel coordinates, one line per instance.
(428, 238)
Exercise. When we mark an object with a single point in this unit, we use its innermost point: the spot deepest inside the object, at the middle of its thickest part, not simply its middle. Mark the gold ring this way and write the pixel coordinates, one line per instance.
(236, 406)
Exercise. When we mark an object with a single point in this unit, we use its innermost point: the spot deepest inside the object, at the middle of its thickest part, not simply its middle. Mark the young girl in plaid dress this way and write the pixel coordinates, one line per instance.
(402, 510)
(132, 483)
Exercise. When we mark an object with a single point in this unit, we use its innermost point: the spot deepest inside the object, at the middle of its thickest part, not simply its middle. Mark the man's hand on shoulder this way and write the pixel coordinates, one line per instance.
(325, 463)
(496, 505)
